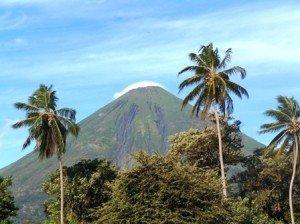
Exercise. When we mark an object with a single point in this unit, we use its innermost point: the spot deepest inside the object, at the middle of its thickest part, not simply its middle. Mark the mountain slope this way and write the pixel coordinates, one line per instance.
(143, 118)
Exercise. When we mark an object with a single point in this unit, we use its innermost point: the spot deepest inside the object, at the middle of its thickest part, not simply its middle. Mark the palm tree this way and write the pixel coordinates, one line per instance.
(287, 123)
(48, 126)
(212, 89)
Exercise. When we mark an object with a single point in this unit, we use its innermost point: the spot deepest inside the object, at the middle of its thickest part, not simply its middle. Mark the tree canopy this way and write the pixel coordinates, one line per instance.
(7, 204)
(199, 148)
(85, 190)
(158, 190)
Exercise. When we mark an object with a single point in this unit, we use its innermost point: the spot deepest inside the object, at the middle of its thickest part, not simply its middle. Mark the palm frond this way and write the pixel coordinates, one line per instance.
(190, 81)
(25, 106)
(41, 146)
(287, 144)
(208, 100)
(199, 104)
(279, 115)
(25, 123)
(278, 138)
(191, 96)
(189, 69)
(236, 70)
(289, 106)
(70, 125)
(52, 99)
(272, 127)
(58, 135)
(226, 59)
(227, 105)
(237, 89)
(193, 57)
(27, 142)
(67, 113)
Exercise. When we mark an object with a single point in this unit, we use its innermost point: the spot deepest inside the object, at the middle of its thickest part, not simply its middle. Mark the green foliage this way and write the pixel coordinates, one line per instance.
(181, 187)
(162, 190)
(266, 183)
(201, 147)
(5, 222)
(244, 211)
(159, 190)
(7, 205)
(85, 190)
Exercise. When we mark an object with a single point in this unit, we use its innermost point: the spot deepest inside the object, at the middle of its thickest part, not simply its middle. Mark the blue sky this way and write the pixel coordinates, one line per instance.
(90, 50)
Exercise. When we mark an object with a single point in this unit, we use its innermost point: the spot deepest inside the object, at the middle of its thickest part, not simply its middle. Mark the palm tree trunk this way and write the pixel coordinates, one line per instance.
(223, 177)
(292, 179)
(61, 191)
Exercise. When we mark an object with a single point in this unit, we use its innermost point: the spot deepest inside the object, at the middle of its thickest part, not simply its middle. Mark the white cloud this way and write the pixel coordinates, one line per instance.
(270, 37)
(135, 86)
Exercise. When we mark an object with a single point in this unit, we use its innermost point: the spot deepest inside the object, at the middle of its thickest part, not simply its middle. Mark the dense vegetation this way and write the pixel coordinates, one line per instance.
(166, 189)
(7, 206)
(85, 190)
(266, 183)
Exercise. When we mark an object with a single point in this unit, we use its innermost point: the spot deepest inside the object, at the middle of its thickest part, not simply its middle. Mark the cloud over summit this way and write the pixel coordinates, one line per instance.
(135, 86)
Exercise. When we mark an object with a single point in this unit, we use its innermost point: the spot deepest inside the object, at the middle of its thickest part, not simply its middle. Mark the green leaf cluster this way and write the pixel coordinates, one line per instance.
(160, 190)
(199, 147)
(266, 183)
(7, 205)
(85, 190)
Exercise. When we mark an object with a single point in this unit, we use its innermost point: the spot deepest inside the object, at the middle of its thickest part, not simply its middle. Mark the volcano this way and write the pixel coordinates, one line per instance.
(141, 119)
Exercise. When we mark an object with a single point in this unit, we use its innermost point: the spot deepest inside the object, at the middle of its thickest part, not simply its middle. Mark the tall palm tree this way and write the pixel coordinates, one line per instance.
(287, 123)
(48, 126)
(212, 88)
